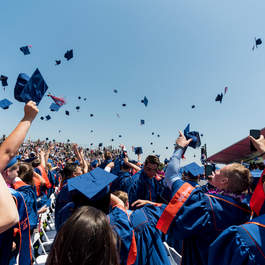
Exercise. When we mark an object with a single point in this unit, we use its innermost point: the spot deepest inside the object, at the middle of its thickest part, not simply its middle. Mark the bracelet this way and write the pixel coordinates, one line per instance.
(178, 147)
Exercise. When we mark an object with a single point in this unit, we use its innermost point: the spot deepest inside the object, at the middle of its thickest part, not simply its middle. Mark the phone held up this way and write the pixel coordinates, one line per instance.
(255, 134)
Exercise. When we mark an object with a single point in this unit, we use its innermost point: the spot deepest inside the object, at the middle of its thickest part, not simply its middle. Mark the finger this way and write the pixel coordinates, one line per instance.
(190, 140)
(252, 139)
(181, 133)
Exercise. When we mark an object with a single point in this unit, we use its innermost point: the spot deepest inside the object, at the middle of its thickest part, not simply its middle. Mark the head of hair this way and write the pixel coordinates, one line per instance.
(122, 195)
(35, 163)
(152, 160)
(25, 172)
(86, 238)
(108, 155)
(239, 178)
(68, 171)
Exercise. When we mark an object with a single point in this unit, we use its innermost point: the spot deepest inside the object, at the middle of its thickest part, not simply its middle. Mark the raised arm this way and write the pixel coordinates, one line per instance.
(10, 146)
(131, 165)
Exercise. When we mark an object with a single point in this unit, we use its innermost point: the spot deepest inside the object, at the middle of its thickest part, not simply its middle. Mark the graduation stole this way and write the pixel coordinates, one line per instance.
(258, 197)
(22, 230)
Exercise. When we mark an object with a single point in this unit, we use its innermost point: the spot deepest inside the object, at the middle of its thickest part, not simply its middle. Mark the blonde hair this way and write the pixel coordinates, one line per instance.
(122, 195)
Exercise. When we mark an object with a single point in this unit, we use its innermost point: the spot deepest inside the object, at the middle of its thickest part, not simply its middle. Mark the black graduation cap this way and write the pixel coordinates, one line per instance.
(112, 140)
(42, 118)
(5, 103)
(84, 99)
(69, 55)
(193, 106)
(219, 97)
(120, 135)
(57, 62)
(54, 107)
(77, 108)
(48, 117)
(145, 101)
(138, 150)
(201, 135)
(47, 138)
(3, 79)
(68, 140)
(91, 144)
(79, 97)
(166, 147)
(153, 133)
(59, 131)
(142, 122)
(258, 42)
(151, 143)
(91, 131)
(124, 105)
(25, 50)
(158, 135)
(153, 151)
(91, 115)
(115, 90)
(100, 144)
(67, 113)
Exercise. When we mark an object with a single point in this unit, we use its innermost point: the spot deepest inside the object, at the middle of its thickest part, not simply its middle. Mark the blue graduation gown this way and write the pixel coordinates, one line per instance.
(198, 218)
(244, 244)
(150, 248)
(122, 182)
(119, 221)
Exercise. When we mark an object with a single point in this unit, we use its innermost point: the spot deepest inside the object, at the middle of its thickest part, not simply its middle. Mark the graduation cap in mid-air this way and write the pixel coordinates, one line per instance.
(57, 62)
(48, 117)
(138, 150)
(151, 143)
(112, 140)
(77, 108)
(67, 113)
(195, 136)
(94, 185)
(42, 118)
(5, 103)
(120, 135)
(54, 107)
(145, 101)
(124, 105)
(158, 135)
(84, 99)
(193, 106)
(91, 115)
(79, 97)
(32, 88)
(3, 79)
(166, 147)
(219, 97)
(100, 144)
(91, 131)
(115, 90)
(25, 49)
(153, 133)
(91, 144)
(47, 138)
(153, 151)
(68, 140)
(142, 122)
(69, 55)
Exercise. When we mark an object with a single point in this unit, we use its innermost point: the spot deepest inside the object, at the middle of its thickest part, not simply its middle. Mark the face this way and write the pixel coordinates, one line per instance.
(9, 175)
(78, 171)
(219, 178)
(150, 170)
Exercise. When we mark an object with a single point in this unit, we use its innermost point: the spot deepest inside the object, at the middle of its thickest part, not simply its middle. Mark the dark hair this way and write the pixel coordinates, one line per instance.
(86, 238)
(25, 172)
(35, 163)
(68, 171)
(152, 160)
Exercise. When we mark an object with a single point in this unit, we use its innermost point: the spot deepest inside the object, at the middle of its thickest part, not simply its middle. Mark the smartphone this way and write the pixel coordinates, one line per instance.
(255, 134)
(209, 169)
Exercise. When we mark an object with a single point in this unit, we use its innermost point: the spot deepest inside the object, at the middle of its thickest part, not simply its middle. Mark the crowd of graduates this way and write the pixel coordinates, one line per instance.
(113, 210)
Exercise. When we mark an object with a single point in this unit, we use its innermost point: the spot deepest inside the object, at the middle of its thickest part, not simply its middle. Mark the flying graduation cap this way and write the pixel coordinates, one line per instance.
(153, 133)
(115, 91)
(25, 49)
(219, 97)
(32, 88)
(145, 101)
(57, 62)
(48, 117)
(193, 106)
(77, 108)
(67, 113)
(124, 105)
(58, 100)
(42, 118)
(5, 103)
(195, 136)
(142, 122)
(54, 107)
(79, 97)
(69, 55)
(91, 115)
(3, 79)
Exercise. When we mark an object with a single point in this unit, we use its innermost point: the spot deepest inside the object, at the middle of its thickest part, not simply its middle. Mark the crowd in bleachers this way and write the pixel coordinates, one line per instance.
(64, 204)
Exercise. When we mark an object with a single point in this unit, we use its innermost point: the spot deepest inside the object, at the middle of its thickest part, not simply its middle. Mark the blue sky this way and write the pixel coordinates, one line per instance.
(177, 53)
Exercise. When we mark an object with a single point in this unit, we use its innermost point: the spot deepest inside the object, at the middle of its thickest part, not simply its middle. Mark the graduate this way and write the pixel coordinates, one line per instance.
(244, 244)
(198, 217)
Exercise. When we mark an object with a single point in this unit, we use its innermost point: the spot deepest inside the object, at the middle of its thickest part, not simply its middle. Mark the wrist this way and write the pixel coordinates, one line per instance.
(177, 146)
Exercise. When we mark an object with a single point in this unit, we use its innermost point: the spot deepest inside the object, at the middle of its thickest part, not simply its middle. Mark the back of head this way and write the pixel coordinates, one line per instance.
(239, 178)
(86, 238)
(68, 171)
(35, 163)
(122, 195)
(25, 172)
(152, 160)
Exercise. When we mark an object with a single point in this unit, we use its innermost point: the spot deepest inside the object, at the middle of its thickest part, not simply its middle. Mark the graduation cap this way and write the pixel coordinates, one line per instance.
(77, 108)
(195, 136)
(91, 131)
(48, 117)
(193, 106)
(3, 79)
(151, 143)
(158, 135)
(138, 150)
(258, 42)
(67, 113)
(115, 90)
(142, 122)
(91, 115)
(32, 88)
(47, 139)
(79, 97)
(100, 144)
(84, 99)
(25, 50)
(166, 147)
(153, 151)
(5, 103)
(120, 135)
(201, 135)
(153, 133)
(91, 144)
(59, 131)
(69, 55)
(94, 185)
(54, 107)
(42, 118)
(57, 62)
(145, 101)
(68, 140)
(219, 97)
(112, 140)
(124, 105)
(118, 115)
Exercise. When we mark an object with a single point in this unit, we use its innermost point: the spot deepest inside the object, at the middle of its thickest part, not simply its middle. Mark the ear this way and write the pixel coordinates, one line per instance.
(224, 181)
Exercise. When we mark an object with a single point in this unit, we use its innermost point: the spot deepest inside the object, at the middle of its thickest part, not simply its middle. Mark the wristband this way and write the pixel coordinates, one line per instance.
(179, 147)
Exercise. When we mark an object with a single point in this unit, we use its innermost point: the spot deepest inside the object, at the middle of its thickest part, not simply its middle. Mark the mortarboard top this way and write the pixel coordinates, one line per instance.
(195, 136)
(5, 103)
(25, 50)
(77, 108)
(115, 90)
(79, 97)
(166, 147)
(153, 133)
(84, 99)
(258, 42)
(124, 105)
(68, 140)
(193, 106)
(120, 135)
(112, 140)
(145, 101)
(91, 131)
(33, 88)
(42, 118)
(100, 144)
(91, 144)
(67, 113)
(142, 122)
(69, 55)
(47, 138)
(3, 79)
(153, 151)
(91, 115)
(57, 62)
(48, 117)
(54, 107)
(219, 97)
(158, 135)
(138, 150)
(201, 135)
(151, 143)
(91, 184)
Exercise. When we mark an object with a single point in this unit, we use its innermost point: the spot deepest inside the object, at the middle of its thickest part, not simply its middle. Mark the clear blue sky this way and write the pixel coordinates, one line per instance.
(177, 53)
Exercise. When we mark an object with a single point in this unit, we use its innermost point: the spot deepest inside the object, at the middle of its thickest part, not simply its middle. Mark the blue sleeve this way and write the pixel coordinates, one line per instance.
(172, 173)
(37, 171)
(230, 248)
